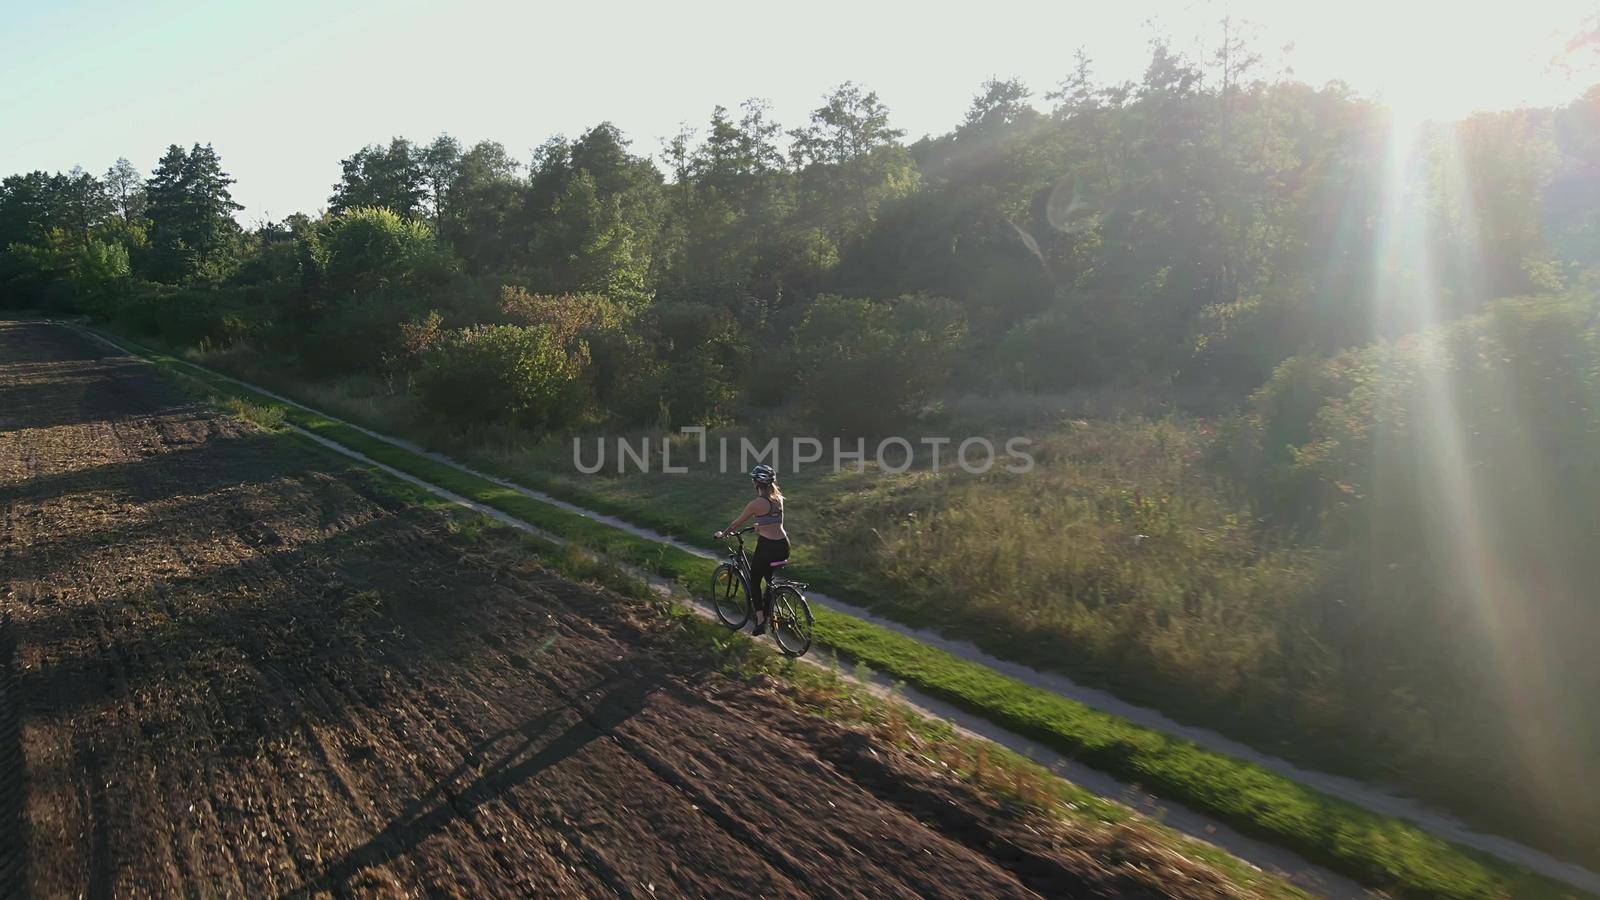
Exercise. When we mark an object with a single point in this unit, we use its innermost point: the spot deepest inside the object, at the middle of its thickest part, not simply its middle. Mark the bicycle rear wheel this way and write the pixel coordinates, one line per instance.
(729, 596)
(791, 621)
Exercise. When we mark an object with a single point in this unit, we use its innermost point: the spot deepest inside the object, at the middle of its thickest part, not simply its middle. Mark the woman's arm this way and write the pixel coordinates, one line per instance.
(749, 510)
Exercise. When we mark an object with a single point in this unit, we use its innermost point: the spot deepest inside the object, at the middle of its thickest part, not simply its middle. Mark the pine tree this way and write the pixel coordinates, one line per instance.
(190, 211)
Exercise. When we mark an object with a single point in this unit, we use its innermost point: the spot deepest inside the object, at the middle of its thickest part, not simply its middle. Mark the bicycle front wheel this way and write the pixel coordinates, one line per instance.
(791, 621)
(729, 596)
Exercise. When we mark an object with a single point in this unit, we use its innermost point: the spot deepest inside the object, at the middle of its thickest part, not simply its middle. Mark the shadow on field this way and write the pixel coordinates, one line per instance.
(287, 616)
(13, 789)
(625, 695)
(51, 376)
(257, 458)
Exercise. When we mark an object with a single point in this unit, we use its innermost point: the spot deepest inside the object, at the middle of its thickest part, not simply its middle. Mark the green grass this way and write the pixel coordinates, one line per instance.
(1376, 850)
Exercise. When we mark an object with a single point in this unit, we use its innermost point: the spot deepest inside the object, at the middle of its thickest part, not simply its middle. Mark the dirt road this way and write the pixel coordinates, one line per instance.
(232, 665)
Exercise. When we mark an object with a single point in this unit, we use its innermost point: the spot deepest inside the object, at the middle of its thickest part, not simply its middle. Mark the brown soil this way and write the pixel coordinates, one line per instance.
(233, 665)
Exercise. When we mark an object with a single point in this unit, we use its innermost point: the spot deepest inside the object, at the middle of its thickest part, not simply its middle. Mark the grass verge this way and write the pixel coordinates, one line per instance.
(1376, 850)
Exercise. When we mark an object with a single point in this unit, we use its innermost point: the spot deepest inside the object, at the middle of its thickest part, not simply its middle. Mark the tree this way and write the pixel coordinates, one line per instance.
(998, 106)
(732, 208)
(30, 205)
(125, 187)
(389, 177)
(190, 211)
(591, 216)
(85, 202)
(735, 154)
(1234, 59)
(849, 125)
(850, 161)
(441, 166)
(1078, 92)
(362, 251)
(904, 349)
(484, 197)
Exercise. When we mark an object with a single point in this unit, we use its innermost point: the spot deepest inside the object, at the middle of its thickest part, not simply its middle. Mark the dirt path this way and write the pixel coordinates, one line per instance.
(229, 665)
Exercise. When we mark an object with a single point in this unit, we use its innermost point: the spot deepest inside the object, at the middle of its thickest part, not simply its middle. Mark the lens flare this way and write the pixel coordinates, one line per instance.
(1472, 525)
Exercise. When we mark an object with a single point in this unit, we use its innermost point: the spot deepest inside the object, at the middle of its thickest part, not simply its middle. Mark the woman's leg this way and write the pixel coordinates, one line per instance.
(776, 551)
(761, 572)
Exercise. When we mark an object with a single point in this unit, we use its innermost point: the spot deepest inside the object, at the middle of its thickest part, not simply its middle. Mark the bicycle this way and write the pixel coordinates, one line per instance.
(791, 622)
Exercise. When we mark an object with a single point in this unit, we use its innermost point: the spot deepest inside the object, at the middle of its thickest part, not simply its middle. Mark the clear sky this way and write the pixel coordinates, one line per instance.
(285, 89)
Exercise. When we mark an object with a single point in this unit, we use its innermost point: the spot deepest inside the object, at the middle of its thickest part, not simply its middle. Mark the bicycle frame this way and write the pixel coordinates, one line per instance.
(741, 560)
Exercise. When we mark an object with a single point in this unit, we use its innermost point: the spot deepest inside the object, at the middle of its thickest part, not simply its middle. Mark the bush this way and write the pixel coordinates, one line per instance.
(33, 277)
(362, 251)
(863, 365)
(354, 336)
(186, 317)
(573, 316)
(503, 374)
(1456, 473)
(1053, 351)
(624, 380)
(701, 354)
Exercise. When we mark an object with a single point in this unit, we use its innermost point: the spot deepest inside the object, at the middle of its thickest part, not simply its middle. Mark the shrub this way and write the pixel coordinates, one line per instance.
(361, 251)
(624, 380)
(417, 337)
(186, 317)
(573, 316)
(701, 353)
(862, 365)
(503, 374)
(1055, 350)
(1456, 472)
(102, 275)
(36, 277)
(354, 336)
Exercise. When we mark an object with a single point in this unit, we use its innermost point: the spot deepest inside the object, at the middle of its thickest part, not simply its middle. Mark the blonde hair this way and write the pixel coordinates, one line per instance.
(771, 491)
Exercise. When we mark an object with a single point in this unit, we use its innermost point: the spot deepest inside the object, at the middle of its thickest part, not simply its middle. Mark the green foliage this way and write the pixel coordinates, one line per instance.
(1070, 345)
(862, 366)
(102, 274)
(36, 276)
(369, 250)
(390, 178)
(268, 417)
(503, 374)
(355, 336)
(624, 378)
(1455, 472)
(191, 215)
(186, 317)
(591, 215)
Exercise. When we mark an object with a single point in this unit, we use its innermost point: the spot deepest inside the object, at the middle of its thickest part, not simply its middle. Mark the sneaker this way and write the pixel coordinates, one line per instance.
(761, 625)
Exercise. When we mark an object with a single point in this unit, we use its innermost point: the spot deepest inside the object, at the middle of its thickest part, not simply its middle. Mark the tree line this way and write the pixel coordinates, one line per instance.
(1197, 226)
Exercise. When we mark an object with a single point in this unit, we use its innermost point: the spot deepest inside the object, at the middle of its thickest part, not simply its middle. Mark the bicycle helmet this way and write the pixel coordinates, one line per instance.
(764, 474)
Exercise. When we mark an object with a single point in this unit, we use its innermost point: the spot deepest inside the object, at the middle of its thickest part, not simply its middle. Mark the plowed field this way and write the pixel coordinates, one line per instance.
(233, 665)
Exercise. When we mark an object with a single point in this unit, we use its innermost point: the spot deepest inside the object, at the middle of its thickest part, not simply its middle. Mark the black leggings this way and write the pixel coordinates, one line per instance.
(768, 551)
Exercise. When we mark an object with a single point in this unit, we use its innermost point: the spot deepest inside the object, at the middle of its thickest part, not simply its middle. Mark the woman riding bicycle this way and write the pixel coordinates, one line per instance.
(772, 545)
